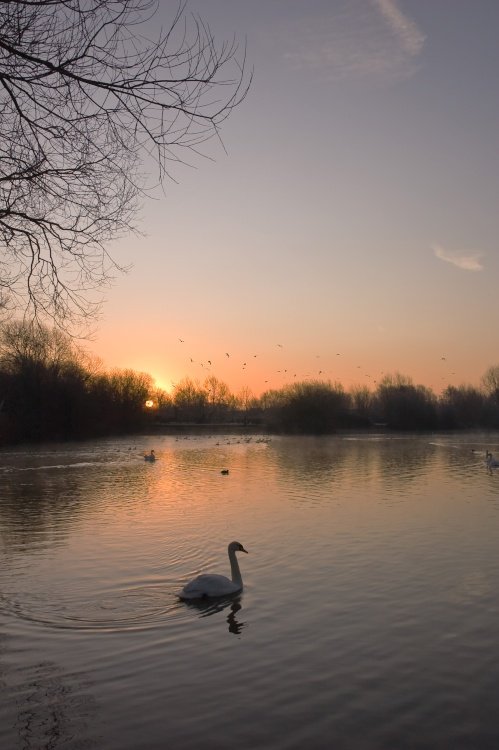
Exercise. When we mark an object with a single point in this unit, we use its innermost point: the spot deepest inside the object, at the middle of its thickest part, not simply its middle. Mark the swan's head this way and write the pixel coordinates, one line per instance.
(237, 547)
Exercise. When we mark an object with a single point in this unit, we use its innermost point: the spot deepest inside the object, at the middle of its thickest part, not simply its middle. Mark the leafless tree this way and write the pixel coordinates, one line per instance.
(490, 382)
(87, 98)
(29, 345)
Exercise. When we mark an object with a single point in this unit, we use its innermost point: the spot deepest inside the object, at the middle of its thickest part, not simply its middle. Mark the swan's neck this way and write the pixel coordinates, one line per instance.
(234, 568)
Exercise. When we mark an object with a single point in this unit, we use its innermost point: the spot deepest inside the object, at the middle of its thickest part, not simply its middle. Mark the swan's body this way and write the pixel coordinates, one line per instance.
(490, 461)
(211, 584)
(150, 456)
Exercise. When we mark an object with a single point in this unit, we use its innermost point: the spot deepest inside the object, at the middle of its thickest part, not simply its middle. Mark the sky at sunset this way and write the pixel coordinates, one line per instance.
(350, 227)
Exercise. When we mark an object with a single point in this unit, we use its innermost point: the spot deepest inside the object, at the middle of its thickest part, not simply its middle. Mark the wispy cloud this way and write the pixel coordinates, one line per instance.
(407, 32)
(467, 262)
(353, 38)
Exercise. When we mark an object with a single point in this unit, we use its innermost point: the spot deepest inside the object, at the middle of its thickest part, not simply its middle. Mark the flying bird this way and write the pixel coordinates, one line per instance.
(226, 354)
(181, 341)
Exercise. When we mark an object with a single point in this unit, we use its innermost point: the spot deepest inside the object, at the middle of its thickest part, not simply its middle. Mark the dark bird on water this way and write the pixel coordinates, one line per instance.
(224, 471)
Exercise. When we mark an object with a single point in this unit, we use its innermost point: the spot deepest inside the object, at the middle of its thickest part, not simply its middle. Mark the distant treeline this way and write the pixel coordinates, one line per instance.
(52, 390)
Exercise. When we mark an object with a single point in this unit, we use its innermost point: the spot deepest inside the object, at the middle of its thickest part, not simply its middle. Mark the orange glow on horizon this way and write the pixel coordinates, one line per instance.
(266, 365)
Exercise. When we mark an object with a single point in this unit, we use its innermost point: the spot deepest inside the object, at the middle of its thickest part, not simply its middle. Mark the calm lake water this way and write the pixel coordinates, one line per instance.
(369, 617)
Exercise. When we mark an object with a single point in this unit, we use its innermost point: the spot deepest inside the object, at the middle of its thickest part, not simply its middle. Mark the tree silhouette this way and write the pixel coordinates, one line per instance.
(43, 380)
(490, 381)
(405, 406)
(463, 406)
(85, 97)
(190, 400)
(312, 407)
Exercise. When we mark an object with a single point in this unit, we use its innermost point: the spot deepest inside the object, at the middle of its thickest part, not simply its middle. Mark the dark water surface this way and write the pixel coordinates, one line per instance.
(369, 618)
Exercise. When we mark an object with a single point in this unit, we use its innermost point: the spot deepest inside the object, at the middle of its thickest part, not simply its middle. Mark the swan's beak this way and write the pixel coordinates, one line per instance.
(244, 550)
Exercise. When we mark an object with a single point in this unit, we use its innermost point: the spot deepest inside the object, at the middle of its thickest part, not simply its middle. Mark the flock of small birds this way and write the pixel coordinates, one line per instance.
(290, 374)
(151, 456)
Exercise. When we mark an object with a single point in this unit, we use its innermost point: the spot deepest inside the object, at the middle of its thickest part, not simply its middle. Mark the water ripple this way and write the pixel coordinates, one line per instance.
(129, 609)
(368, 617)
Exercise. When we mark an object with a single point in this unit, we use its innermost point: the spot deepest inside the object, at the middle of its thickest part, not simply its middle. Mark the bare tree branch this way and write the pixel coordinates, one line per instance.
(85, 97)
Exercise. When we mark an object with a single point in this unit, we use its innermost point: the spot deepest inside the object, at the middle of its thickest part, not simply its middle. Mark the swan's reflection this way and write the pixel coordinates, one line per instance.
(235, 626)
(208, 607)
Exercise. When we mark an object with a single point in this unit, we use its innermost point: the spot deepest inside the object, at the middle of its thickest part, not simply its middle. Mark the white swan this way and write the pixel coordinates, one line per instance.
(211, 584)
(490, 461)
